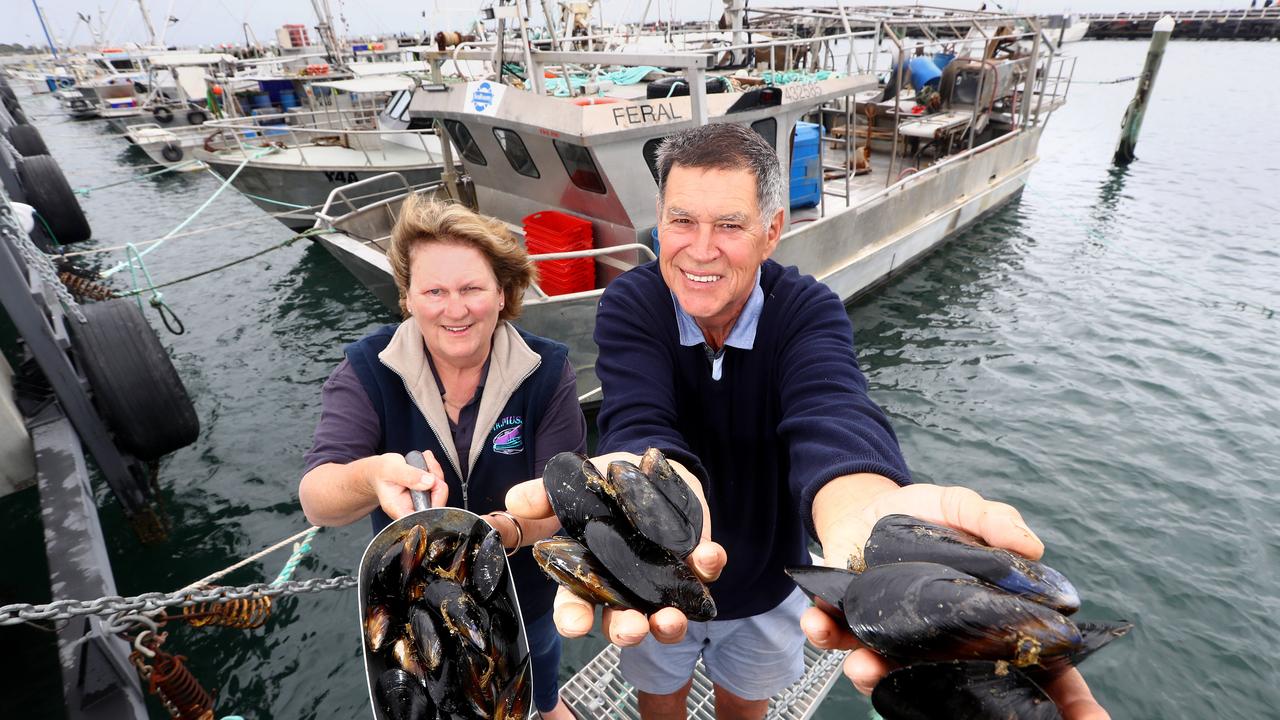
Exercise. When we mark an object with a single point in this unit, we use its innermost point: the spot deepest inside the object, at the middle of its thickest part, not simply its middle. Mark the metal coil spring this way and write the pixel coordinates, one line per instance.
(85, 289)
(244, 614)
(180, 692)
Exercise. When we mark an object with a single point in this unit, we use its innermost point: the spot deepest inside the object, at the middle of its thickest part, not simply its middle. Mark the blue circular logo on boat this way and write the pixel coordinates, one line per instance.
(482, 97)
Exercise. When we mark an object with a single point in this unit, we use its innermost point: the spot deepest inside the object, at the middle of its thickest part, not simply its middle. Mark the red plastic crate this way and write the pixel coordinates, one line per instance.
(550, 231)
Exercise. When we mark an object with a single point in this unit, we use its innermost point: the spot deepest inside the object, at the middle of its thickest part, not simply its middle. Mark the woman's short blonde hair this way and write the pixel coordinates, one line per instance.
(423, 222)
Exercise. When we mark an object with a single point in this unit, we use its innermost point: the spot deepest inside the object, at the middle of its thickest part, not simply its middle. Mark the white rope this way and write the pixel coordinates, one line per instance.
(252, 558)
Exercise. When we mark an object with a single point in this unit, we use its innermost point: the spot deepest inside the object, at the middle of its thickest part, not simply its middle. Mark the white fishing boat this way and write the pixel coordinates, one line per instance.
(898, 128)
(288, 162)
(172, 147)
(176, 91)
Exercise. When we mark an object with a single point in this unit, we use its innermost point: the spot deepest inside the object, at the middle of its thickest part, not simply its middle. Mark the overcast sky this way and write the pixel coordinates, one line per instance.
(206, 22)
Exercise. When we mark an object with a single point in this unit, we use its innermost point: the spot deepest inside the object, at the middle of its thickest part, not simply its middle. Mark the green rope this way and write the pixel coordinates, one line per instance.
(299, 550)
(309, 233)
(225, 184)
(157, 297)
(85, 191)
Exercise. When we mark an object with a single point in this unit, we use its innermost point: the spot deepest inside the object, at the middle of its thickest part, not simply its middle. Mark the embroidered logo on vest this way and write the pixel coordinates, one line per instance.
(508, 440)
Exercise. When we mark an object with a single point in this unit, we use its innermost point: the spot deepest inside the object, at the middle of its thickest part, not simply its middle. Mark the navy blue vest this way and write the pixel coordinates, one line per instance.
(506, 453)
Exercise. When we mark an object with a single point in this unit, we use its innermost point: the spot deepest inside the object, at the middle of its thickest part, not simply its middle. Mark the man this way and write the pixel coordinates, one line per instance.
(743, 373)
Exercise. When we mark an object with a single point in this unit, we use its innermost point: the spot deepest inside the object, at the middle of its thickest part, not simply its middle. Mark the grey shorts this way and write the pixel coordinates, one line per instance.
(754, 658)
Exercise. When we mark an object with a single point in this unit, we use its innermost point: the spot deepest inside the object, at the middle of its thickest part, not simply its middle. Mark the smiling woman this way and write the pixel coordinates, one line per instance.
(486, 403)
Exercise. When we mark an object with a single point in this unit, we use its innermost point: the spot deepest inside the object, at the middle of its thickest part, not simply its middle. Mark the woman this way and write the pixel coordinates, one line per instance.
(486, 403)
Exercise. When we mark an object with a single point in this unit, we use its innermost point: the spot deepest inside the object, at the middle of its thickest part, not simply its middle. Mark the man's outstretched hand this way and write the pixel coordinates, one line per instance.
(844, 513)
(574, 617)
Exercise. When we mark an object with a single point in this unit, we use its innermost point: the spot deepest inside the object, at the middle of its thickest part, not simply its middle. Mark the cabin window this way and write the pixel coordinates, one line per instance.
(767, 129)
(650, 151)
(582, 170)
(398, 104)
(517, 154)
(466, 144)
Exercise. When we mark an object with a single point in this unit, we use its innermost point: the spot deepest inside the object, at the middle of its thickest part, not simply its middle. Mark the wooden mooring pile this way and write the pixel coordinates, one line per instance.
(1245, 24)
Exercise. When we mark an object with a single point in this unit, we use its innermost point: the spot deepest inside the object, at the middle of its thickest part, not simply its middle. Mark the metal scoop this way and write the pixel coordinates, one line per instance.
(434, 521)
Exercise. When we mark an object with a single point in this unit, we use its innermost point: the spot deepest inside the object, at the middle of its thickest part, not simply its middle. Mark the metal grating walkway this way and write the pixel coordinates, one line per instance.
(598, 690)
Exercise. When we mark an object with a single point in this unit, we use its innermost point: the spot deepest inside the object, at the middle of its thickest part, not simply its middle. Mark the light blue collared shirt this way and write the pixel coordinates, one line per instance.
(742, 336)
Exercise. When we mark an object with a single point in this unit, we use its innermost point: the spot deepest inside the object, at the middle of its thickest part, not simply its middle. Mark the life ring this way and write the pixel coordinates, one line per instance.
(171, 151)
(197, 117)
(594, 100)
(162, 114)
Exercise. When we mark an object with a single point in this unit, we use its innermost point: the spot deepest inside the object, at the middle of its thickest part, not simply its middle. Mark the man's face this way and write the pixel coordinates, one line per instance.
(712, 242)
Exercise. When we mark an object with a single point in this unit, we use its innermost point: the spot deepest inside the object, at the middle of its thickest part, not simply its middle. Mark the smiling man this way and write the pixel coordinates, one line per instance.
(743, 373)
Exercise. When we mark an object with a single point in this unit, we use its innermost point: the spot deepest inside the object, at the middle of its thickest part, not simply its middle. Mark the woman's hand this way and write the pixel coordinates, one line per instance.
(390, 479)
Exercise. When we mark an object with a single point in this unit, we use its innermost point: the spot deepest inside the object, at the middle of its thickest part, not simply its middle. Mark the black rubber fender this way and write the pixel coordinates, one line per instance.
(197, 117)
(48, 192)
(27, 140)
(162, 114)
(19, 117)
(171, 151)
(135, 387)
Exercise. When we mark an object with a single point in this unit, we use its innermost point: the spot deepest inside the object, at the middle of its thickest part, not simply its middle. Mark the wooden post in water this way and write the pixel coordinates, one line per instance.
(1132, 122)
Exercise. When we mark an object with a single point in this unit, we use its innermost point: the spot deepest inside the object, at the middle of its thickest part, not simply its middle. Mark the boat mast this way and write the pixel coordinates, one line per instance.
(325, 29)
(40, 16)
(146, 20)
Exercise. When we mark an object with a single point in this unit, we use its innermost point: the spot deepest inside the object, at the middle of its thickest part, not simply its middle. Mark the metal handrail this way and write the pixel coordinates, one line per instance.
(338, 192)
(591, 252)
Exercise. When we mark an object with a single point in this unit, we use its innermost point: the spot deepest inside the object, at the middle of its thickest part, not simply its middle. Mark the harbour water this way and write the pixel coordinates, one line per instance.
(1099, 354)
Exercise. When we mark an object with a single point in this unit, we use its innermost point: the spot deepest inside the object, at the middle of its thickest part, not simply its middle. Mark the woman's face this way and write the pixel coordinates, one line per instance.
(455, 299)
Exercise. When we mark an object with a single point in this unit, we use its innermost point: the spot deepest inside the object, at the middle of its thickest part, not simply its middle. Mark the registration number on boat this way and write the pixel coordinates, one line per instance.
(340, 176)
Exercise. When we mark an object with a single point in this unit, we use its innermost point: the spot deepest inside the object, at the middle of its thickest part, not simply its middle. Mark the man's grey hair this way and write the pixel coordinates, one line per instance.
(725, 146)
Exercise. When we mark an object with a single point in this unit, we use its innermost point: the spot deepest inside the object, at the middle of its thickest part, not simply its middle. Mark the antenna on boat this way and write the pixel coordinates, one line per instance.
(40, 16)
(146, 20)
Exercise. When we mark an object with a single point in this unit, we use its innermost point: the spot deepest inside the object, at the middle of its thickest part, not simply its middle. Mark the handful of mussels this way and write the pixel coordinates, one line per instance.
(442, 630)
(978, 629)
(630, 531)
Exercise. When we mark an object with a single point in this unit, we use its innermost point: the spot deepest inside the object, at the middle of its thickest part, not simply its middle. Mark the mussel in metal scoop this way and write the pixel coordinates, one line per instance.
(423, 603)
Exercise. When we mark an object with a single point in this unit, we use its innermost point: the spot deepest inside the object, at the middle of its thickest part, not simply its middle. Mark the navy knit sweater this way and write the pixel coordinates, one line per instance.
(786, 417)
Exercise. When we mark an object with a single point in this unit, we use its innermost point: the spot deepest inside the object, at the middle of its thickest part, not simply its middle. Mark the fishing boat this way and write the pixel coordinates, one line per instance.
(176, 92)
(288, 162)
(897, 127)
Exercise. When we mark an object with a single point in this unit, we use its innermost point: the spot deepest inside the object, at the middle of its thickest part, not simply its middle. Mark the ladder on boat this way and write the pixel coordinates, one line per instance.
(598, 690)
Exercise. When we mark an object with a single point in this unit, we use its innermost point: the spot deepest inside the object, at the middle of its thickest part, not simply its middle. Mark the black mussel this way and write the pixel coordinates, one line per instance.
(648, 509)
(488, 562)
(827, 583)
(569, 563)
(504, 635)
(654, 464)
(405, 652)
(902, 538)
(427, 638)
(402, 698)
(516, 696)
(412, 550)
(446, 555)
(436, 591)
(464, 618)
(924, 611)
(476, 671)
(653, 574)
(961, 690)
(565, 479)
(377, 625)
(384, 583)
